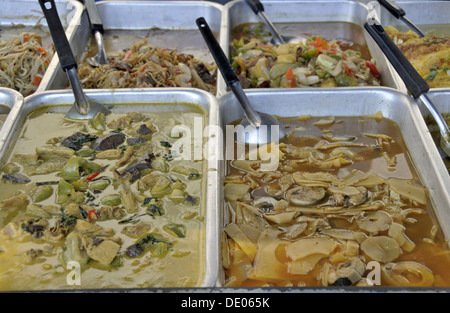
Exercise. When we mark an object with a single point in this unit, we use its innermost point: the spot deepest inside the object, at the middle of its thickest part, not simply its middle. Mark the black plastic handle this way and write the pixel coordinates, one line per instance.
(255, 5)
(412, 79)
(221, 59)
(60, 41)
(394, 9)
(94, 16)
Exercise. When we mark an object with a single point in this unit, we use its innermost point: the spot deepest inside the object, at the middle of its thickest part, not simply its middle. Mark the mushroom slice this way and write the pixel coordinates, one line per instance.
(347, 274)
(375, 221)
(265, 204)
(381, 248)
(407, 274)
(305, 195)
(349, 196)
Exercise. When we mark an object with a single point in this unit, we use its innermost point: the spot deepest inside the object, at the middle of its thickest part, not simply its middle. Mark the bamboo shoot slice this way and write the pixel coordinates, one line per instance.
(305, 265)
(242, 240)
(280, 218)
(267, 266)
(409, 189)
(308, 246)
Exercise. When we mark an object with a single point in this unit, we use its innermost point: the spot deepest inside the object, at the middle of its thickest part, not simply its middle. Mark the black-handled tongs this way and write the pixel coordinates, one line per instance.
(400, 14)
(415, 84)
(97, 30)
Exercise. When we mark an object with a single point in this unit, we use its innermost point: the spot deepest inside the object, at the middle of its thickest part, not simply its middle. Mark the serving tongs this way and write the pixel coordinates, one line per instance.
(97, 30)
(400, 14)
(277, 38)
(83, 108)
(417, 86)
(258, 126)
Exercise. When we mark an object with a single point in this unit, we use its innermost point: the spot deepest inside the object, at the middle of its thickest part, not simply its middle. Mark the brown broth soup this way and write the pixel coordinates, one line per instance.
(125, 227)
(345, 207)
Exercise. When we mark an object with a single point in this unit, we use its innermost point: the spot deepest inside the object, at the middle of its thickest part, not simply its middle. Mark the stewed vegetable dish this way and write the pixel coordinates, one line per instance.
(108, 196)
(311, 62)
(344, 207)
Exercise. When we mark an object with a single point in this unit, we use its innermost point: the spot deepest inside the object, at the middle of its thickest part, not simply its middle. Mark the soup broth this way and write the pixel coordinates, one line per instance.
(345, 194)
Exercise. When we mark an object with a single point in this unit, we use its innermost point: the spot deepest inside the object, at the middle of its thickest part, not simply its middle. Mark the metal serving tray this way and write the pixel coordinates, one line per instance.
(430, 16)
(8, 99)
(393, 104)
(293, 18)
(141, 100)
(17, 16)
(166, 24)
(441, 100)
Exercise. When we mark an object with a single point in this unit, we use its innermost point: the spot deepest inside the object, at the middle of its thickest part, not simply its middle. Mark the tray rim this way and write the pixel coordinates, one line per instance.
(10, 131)
(442, 181)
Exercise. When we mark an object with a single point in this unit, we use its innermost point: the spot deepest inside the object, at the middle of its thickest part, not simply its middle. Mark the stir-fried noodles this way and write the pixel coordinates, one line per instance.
(23, 62)
(146, 66)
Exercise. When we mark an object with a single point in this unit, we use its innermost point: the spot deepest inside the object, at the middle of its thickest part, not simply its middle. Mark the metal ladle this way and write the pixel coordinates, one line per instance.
(277, 38)
(97, 30)
(258, 126)
(416, 85)
(83, 108)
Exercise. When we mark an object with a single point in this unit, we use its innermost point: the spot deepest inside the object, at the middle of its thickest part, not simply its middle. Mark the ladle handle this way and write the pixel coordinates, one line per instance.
(227, 71)
(59, 38)
(256, 6)
(65, 54)
(219, 56)
(94, 16)
(412, 79)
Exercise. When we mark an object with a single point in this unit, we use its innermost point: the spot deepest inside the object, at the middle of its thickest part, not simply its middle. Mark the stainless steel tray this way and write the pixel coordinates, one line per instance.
(441, 100)
(142, 100)
(166, 24)
(429, 16)
(17, 16)
(393, 104)
(8, 99)
(296, 17)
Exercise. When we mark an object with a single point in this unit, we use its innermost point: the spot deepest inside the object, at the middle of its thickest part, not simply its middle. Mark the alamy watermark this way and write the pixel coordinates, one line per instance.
(208, 143)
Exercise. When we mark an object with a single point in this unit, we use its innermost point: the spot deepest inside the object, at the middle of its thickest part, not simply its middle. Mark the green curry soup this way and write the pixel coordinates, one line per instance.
(345, 207)
(108, 194)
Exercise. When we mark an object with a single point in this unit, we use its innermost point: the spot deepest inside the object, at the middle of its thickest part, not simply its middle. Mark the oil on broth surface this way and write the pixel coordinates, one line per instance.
(158, 235)
(345, 193)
